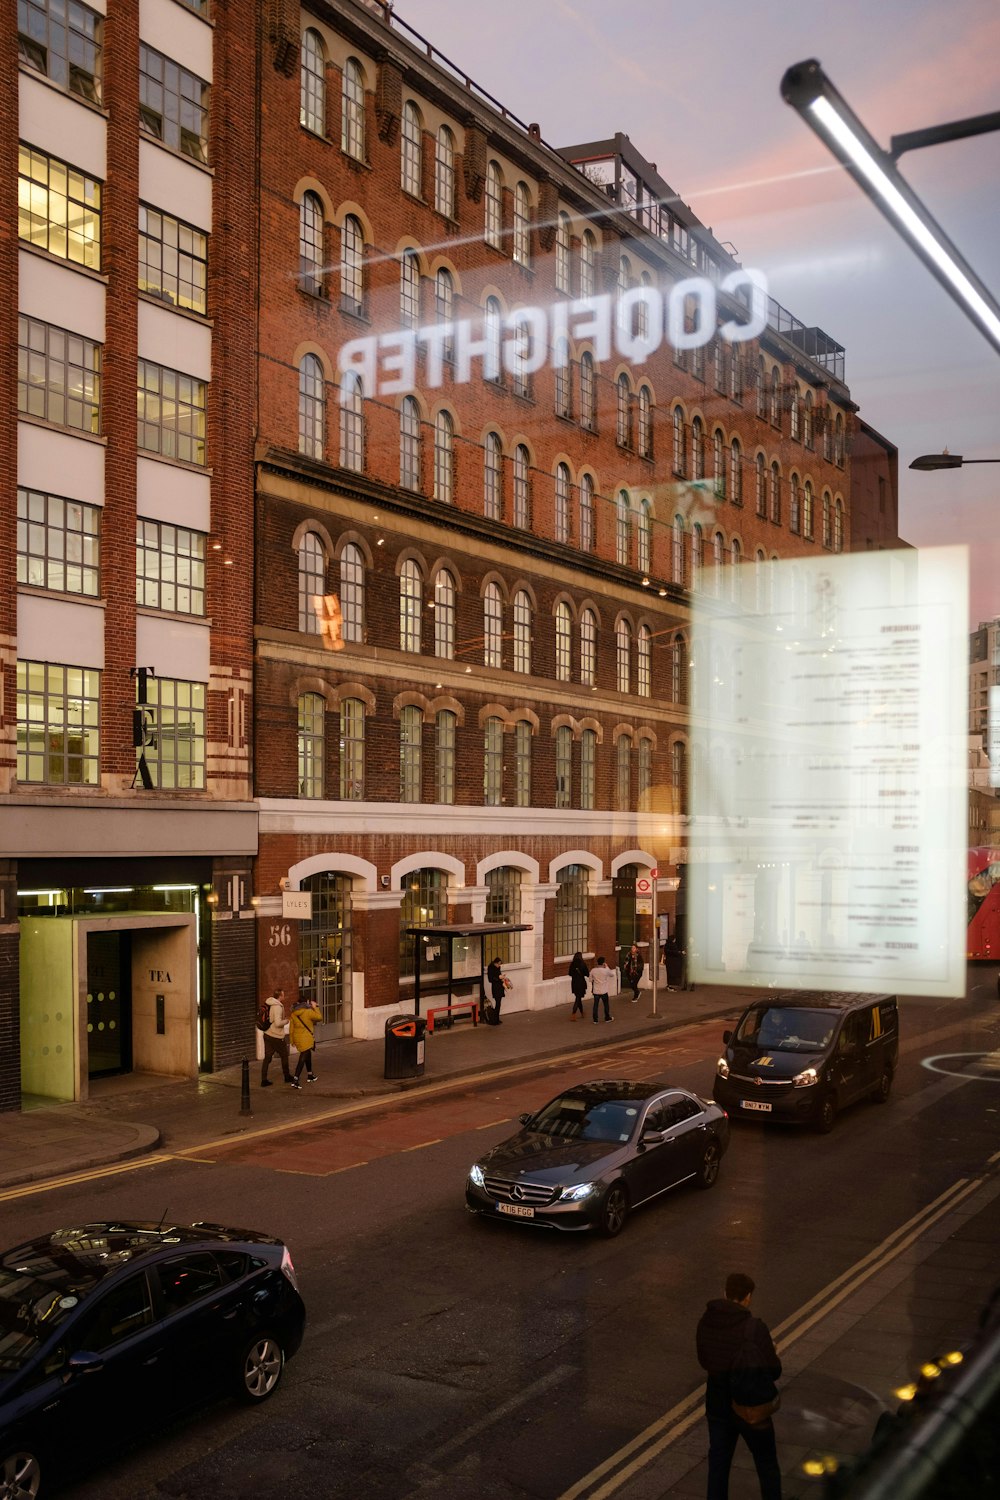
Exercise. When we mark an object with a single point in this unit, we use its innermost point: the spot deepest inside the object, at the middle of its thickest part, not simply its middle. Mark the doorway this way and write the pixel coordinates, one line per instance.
(109, 1003)
(325, 952)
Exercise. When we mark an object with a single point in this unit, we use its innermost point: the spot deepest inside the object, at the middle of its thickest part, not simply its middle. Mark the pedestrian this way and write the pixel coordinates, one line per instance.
(302, 1034)
(497, 983)
(275, 1040)
(737, 1351)
(632, 970)
(578, 976)
(674, 960)
(600, 984)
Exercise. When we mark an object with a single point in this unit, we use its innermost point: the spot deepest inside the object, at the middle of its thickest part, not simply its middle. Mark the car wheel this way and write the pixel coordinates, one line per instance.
(826, 1116)
(614, 1211)
(882, 1090)
(20, 1475)
(260, 1369)
(708, 1172)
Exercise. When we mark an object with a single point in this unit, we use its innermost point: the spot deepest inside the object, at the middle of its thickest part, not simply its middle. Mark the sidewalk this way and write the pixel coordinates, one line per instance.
(125, 1117)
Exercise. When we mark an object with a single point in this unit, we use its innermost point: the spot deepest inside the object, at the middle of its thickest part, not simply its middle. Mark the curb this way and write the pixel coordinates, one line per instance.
(147, 1139)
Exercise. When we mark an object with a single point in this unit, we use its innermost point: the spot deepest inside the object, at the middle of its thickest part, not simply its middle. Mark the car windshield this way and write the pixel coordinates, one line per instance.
(578, 1118)
(780, 1028)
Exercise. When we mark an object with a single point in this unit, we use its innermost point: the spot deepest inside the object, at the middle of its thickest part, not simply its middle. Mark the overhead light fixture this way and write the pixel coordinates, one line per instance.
(947, 461)
(806, 88)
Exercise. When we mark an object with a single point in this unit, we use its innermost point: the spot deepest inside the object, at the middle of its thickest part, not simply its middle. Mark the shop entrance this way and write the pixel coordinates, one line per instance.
(109, 1003)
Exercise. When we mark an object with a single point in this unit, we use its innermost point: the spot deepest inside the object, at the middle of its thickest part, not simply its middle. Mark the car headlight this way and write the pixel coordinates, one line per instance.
(722, 1068)
(476, 1176)
(806, 1079)
(574, 1194)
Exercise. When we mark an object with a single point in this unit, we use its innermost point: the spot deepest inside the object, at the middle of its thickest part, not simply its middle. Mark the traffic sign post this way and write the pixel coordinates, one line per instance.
(654, 940)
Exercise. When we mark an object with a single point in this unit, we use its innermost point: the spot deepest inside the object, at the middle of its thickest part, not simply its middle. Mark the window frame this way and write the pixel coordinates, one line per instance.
(70, 701)
(311, 745)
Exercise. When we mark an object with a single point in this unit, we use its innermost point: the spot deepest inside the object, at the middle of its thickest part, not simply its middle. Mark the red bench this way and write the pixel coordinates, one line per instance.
(471, 1006)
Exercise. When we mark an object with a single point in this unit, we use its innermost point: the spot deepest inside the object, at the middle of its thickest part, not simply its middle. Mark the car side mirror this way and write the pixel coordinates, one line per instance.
(524, 1119)
(653, 1138)
(727, 1037)
(84, 1362)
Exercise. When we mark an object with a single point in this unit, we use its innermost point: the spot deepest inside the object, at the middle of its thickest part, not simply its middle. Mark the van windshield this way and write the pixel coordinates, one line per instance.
(780, 1028)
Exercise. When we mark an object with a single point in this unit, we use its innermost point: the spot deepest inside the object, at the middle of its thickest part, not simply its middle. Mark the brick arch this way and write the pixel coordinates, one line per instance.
(494, 577)
(444, 263)
(318, 685)
(307, 347)
(313, 185)
(349, 208)
(452, 567)
(528, 715)
(494, 711)
(365, 874)
(564, 721)
(503, 858)
(428, 859)
(633, 857)
(346, 690)
(452, 705)
(348, 538)
(596, 726)
(319, 528)
(411, 699)
(409, 242)
(576, 857)
(412, 553)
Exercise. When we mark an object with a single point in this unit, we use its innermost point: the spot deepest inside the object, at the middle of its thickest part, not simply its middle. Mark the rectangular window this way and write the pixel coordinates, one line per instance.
(58, 543)
(175, 753)
(58, 208)
(564, 765)
(169, 567)
(311, 744)
(58, 376)
(493, 763)
(173, 260)
(57, 724)
(522, 763)
(173, 104)
(588, 768)
(171, 413)
(63, 41)
(411, 729)
(352, 750)
(445, 769)
(571, 925)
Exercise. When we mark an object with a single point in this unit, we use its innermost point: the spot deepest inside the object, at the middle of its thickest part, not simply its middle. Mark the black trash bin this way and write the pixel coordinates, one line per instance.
(404, 1046)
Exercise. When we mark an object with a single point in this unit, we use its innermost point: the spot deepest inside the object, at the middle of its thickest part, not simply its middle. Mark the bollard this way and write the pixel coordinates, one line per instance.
(245, 1090)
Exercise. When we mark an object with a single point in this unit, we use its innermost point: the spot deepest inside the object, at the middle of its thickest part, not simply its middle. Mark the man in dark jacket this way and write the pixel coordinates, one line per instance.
(726, 1324)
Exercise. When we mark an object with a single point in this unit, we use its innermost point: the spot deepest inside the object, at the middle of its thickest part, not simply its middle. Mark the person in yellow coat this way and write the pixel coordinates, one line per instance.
(302, 1035)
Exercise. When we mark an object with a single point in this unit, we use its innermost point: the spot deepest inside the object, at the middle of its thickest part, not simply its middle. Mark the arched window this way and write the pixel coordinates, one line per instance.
(563, 281)
(409, 289)
(444, 173)
(641, 314)
(735, 558)
(562, 503)
(776, 492)
(680, 443)
(827, 519)
(411, 734)
(522, 631)
(677, 550)
(312, 83)
(678, 776)
(493, 762)
(311, 406)
(719, 464)
(522, 487)
(492, 328)
(588, 648)
(352, 750)
(586, 513)
(424, 904)
(807, 420)
(352, 593)
(736, 375)
(572, 925)
(826, 428)
(564, 765)
(838, 526)
(794, 505)
(807, 510)
(588, 264)
(492, 626)
(352, 111)
(588, 769)
(623, 656)
(588, 392)
(522, 764)
(697, 449)
(311, 744)
(623, 528)
(444, 756)
(352, 432)
(759, 580)
(678, 675)
(562, 377)
(444, 614)
(311, 245)
(736, 472)
(774, 397)
(793, 414)
(645, 412)
(410, 153)
(644, 788)
(623, 422)
(492, 478)
(719, 365)
(760, 486)
(644, 532)
(352, 254)
(312, 581)
(503, 904)
(444, 304)
(444, 458)
(409, 444)
(624, 282)
(522, 225)
(760, 375)
(718, 562)
(623, 773)
(564, 639)
(493, 224)
(644, 662)
(411, 601)
(697, 555)
(838, 442)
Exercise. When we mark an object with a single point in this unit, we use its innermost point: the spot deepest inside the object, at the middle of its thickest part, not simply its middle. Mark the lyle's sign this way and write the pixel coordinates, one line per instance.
(297, 904)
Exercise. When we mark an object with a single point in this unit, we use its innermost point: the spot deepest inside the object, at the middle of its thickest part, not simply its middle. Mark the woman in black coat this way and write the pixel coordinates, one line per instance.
(578, 976)
(495, 980)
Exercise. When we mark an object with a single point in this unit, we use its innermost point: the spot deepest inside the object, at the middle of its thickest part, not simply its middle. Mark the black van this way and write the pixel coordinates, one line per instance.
(801, 1057)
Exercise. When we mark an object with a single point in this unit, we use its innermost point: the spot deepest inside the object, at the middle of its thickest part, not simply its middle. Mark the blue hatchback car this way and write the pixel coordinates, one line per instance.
(108, 1330)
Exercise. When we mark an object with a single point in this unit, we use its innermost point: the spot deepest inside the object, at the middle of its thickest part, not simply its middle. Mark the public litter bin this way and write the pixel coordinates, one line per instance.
(404, 1046)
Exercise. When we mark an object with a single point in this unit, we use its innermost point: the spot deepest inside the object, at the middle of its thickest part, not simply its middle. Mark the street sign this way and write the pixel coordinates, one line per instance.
(643, 886)
(654, 874)
(644, 906)
(623, 885)
(297, 904)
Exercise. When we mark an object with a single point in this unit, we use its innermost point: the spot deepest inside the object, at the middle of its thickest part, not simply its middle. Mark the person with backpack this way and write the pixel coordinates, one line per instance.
(302, 1034)
(741, 1394)
(275, 1041)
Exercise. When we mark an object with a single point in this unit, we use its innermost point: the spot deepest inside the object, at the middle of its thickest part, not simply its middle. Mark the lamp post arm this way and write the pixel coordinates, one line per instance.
(935, 135)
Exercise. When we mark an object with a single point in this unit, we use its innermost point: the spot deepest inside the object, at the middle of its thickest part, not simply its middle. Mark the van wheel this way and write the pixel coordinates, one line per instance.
(882, 1090)
(826, 1117)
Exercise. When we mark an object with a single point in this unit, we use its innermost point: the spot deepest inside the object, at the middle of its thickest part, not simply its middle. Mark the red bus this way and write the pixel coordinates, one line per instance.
(983, 904)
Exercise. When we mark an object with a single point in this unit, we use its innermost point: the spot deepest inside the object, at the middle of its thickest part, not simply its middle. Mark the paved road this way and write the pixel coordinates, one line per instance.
(449, 1359)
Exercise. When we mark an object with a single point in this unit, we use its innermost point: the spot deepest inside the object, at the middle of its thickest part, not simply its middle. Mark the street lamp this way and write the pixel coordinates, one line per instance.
(806, 88)
(947, 461)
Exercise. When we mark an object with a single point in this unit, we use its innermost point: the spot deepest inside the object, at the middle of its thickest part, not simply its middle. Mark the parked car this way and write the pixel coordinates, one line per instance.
(597, 1151)
(802, 1057)
(108, 1330)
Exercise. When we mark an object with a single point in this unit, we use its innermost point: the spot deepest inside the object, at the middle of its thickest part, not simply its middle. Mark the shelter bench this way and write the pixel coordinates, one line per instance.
(457, 1006)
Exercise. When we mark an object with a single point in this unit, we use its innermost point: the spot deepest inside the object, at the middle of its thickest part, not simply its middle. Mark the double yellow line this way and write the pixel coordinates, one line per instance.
(610, 1476)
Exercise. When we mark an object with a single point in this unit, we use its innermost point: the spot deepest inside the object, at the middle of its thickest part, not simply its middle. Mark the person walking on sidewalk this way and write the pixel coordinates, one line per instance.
(302, 1034)
(497, 984)
(275, 1040)
(737, 1351)
(600, 983)
(578, 976)
(632, 970)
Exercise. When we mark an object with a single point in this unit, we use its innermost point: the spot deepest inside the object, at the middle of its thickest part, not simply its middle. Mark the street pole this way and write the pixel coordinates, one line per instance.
(654, 947)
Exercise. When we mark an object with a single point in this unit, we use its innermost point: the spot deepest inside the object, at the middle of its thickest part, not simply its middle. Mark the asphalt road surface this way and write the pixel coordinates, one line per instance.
(449, 1359)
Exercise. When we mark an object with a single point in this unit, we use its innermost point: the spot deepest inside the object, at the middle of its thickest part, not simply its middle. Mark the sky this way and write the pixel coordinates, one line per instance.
(697, 91)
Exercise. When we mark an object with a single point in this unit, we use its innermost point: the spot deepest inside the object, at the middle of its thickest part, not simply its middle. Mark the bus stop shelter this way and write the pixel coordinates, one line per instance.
(470, 985)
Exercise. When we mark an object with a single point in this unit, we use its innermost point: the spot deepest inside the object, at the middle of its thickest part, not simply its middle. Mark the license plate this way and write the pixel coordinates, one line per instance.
(765, 1109)
(516, 1210)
